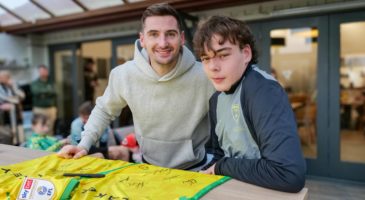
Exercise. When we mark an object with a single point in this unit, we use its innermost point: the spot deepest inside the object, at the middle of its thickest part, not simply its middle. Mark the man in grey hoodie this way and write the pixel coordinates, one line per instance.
(167, 92)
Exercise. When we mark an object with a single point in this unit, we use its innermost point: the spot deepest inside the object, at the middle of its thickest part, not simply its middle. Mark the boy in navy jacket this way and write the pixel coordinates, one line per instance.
(253, 128)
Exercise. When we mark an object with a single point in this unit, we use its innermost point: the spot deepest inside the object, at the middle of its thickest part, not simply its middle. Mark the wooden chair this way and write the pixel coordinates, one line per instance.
(306, 120)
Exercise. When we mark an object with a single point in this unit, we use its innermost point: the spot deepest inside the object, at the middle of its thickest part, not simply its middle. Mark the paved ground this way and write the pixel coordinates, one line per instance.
(333, 189)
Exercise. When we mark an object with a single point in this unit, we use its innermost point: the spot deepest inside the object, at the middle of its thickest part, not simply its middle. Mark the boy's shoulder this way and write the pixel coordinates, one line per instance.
(255, 73)
(258, 79)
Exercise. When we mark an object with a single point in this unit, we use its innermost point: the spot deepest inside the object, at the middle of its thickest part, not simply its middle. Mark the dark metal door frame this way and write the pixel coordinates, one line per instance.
(318, 166)
(75, 72)
(115, 43)
(339, 169)
(120, 41)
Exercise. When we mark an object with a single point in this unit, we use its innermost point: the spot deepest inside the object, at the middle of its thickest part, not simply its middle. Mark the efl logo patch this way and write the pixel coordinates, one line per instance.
(36, 189)
(236, 112)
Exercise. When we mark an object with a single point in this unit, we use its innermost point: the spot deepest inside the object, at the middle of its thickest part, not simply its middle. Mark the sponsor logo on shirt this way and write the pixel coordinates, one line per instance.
(28, 184)
(42, 190)
(36, 189)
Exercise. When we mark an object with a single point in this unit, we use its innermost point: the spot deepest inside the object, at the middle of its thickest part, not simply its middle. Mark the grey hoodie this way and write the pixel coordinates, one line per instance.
(169, 112)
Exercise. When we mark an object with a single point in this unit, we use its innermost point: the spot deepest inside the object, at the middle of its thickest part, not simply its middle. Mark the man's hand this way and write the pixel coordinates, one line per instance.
(70, 151)
(210, 170)
(118, 153)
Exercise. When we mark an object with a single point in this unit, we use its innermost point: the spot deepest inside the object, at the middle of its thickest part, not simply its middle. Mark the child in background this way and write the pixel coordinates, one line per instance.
(39, 139)
(114, 152)
(77, 126)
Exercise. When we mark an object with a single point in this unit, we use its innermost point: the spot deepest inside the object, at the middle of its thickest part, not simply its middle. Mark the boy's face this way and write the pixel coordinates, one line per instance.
(40, 128)
(162, 39)
(225, 63)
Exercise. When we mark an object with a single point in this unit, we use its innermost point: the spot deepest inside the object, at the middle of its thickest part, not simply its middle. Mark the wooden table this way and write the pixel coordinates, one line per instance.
(230, 190)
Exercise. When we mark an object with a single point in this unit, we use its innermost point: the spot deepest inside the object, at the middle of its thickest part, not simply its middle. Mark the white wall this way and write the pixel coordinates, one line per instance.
(38, 50)
(17, 48)
(14, 48)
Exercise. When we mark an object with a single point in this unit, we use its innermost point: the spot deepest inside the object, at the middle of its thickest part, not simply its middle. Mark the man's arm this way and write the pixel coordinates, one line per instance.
(281, 166)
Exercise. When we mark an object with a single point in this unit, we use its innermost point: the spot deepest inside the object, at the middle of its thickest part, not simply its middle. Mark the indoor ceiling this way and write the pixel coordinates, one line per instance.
(37, 16)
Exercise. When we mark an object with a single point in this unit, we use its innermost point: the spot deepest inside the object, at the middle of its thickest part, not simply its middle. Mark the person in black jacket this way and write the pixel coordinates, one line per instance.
(253, 128)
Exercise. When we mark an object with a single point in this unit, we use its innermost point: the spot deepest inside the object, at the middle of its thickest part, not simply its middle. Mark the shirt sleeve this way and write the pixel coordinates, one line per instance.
(33, 143)
(55, 145)
(44, 143)
(270, 118)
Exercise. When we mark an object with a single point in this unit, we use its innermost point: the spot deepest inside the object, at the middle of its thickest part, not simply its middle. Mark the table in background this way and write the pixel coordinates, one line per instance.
(231, 190)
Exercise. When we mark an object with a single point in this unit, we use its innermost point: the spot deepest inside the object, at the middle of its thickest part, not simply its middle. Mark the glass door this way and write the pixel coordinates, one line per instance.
(320, 61)
(64, 73)
(122, 51)
(96, 57)
(347, 92)
(294, 52)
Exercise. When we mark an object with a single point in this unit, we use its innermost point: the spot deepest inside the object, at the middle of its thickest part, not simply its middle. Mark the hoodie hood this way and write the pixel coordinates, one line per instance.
(185, 61)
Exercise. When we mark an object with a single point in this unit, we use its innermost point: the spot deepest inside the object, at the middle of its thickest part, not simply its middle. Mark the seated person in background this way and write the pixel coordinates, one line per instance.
(77, 126)
(10, 106)
(39, 139)
(253, 127)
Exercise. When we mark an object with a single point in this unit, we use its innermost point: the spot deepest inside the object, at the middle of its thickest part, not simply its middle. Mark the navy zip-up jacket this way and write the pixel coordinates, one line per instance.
(254, 134)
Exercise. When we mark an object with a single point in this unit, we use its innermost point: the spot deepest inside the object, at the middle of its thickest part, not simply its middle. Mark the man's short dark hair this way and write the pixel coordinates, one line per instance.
(161, 9)
(233, 30)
